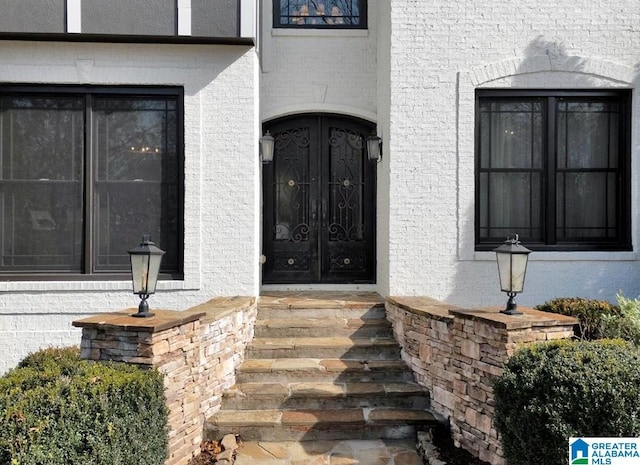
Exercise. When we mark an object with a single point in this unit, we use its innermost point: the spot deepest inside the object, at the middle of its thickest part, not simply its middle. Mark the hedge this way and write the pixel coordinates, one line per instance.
(56, 409)
(550, 392)
(589, 312)
(600, 319)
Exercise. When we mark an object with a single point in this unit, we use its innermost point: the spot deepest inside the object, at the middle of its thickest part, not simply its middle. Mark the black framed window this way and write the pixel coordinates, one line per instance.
(345, 14)
(553, 167)
(85, 172)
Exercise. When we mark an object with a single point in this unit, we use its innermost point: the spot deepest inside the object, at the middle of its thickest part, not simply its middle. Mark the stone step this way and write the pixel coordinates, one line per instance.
(320, 299)
(322, 370)
(363, 452)
(357, 312)
(383, 348)
(323, 424)
(314, 395)
(323, 327)
(322, 367)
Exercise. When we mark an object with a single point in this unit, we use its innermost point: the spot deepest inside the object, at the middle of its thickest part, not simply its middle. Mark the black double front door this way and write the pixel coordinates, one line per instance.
(319, 202)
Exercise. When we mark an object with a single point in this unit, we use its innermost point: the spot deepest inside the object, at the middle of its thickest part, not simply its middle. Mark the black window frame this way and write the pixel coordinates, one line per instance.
(278, 24)
(89, 92)
(622, 241)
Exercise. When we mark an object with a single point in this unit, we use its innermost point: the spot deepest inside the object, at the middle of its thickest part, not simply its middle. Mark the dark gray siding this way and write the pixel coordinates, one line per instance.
(217, 18)
(153, 21)
(129, 17)
(40, 16)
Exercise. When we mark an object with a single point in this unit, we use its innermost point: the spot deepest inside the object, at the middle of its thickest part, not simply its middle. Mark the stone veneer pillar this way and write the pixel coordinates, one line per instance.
(457, 354)
(197, 350)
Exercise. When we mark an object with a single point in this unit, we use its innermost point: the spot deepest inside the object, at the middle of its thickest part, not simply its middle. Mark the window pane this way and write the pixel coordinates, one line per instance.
(331, 13)
(510, 203)
(587, 135)
(135, 142)
(40, 190)
(41, 226)
(511, 134)
(42, 138)
(124, 212)
(586, 206)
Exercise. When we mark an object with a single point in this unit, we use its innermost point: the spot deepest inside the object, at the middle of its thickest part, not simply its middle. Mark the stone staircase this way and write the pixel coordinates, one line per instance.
(322, 366)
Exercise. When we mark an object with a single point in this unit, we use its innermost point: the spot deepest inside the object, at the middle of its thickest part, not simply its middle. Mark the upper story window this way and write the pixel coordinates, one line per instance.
(84, 173)
(351, 14)
(553, 167)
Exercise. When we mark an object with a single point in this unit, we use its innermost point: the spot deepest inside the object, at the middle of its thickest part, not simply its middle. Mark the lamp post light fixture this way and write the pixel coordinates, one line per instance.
(267, 145)
(512, 260)
(374, 148)
(145, 266)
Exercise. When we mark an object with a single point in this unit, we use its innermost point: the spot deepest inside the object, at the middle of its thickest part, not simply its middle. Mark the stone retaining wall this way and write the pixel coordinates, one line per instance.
(197, 350)
(457, 354)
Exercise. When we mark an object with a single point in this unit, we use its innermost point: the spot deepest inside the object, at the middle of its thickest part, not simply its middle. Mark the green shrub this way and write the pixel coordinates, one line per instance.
(589, 312)
(627, 325)
(63, 357)
(550, 392)
(56, 409)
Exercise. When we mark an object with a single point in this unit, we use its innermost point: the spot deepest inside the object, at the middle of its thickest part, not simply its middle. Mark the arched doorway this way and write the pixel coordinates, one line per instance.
(319, 202)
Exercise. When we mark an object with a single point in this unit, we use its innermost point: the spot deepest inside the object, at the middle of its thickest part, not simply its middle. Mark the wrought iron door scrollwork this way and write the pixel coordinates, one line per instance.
(341, 234)
(297, 136)
(291, 262)
(339, 137)
(347, 262)
(346, 186)
(291, 186)
(298, 234)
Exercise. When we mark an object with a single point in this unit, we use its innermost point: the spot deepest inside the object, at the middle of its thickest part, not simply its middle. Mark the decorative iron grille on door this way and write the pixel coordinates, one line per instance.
(319, 202)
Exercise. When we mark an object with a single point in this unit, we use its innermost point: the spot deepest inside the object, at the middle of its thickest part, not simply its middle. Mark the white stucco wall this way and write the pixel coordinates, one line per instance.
(440, 53)
(221, 181)
(318, 70)
(383, 86)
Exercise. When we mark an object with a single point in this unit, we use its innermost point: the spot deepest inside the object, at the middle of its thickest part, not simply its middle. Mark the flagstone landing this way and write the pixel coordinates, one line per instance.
(350, 452)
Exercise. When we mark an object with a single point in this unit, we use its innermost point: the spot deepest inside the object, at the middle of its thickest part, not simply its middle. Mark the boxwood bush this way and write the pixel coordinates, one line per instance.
(550, 392)
(589, 312)
(56, 409)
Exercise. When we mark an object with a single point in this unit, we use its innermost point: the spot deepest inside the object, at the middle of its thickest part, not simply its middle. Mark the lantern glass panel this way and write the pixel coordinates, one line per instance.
(518, 269)
(373, 148)
(154, 269)
(140, 273)
(511, 269)
(267, 145)
(504, 270)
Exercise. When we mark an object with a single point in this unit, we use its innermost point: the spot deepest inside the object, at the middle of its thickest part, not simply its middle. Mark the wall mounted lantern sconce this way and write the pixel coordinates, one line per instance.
(145, 266)
(267, 145)
(374, 148)
(512, 260)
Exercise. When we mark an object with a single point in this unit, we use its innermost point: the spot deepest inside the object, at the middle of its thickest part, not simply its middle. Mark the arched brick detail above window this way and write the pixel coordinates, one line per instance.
(484, 75)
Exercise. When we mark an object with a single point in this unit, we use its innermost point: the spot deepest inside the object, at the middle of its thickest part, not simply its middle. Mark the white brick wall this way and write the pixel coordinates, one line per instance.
(414, 72)
(440, 52)
(221, 181)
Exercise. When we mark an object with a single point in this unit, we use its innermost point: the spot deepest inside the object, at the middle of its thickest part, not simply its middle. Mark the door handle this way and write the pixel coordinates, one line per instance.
(324, 211)
(314, 212)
